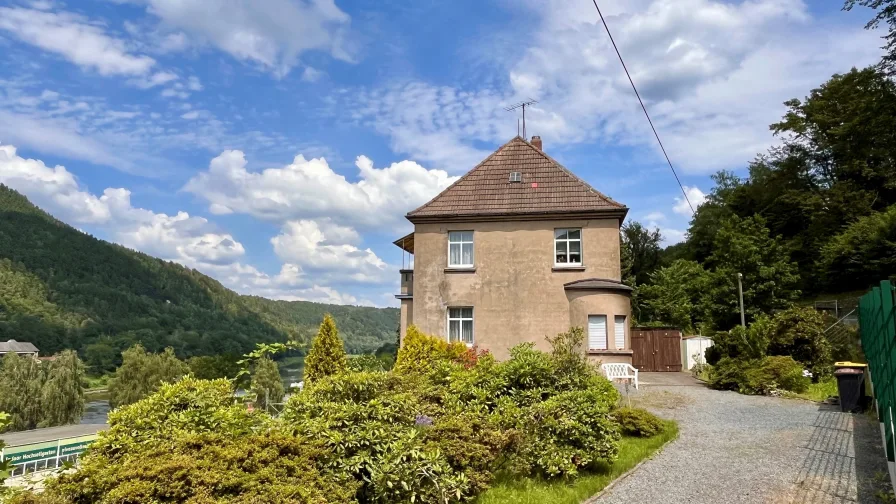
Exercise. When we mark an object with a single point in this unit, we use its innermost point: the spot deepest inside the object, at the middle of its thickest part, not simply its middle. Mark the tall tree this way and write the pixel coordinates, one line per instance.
(769, 277)
(886, 13)
(21, 380)
(675, 295)
(641, 251)
(327, 355)
(62, 394)
(863, 254)
(266, 383)
(142, 373)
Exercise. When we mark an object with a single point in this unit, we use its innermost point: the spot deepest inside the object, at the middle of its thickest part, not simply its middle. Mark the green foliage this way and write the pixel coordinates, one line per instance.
(567, 432)
(642, 250)
(64, 289)
(42, 394)
(863, 253)
(419, 352)
(6, 465)
(799, 333)
(366, 362)
(676, 295)
(759, 376)
(62, 394)
(774, 373)
(211, 367)
(327, 355)
(207, 467)
(141, 373)
(267, 387)
(886, 13)
(638, 422)
(769, 278)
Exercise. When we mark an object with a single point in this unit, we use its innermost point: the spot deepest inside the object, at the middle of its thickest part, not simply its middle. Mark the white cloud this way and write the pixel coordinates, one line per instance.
(310, 189)
(194, 84)
(714, 75)
(193, 114)
(273, 33)
(311, 74)
(190, 240)
(327, 249)
(655, 216)
(74, 38)
(696, 198)
(156, 79)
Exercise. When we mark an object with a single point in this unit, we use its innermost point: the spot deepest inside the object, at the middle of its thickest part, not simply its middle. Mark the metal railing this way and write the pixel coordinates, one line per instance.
(45, 456)
(877, 327)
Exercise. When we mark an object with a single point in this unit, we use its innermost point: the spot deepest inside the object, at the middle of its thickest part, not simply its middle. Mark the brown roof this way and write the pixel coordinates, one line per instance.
(597, 284)
(547, 188)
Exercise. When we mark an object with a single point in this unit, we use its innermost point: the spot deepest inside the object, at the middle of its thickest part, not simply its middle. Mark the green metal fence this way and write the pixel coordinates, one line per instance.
(877, 324)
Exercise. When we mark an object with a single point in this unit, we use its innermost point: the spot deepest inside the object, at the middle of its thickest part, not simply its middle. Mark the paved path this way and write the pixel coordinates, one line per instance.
(50, 434)
(747, 449)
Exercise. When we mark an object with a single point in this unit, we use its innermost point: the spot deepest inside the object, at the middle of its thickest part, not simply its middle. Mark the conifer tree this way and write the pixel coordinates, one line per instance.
(327, 355)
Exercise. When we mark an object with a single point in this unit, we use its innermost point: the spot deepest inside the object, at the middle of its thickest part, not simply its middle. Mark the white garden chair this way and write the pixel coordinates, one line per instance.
(621, 371)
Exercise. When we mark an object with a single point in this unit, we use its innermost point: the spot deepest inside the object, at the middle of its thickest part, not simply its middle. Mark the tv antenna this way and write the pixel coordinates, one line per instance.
(521, 105)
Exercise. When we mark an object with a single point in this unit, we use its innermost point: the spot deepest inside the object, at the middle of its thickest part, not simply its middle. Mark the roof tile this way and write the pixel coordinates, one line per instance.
(546, 187)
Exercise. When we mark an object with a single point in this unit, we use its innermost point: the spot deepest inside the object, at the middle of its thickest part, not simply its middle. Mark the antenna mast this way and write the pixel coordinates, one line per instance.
(521, 105)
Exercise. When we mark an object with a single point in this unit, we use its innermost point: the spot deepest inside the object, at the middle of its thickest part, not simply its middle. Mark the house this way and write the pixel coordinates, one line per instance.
(517, 249)
(13, 346)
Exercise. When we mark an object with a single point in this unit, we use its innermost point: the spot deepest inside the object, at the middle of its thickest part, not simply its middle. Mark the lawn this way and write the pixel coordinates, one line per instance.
(820, 391)
(536, 491)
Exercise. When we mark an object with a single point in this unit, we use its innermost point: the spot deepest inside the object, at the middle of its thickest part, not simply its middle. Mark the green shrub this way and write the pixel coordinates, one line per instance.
(799, 333)
(141, 373)
(267, 386)
(208, 467)
(638, 422)
(419, 351)
(188, 406)
(568, 432)
(775, 373)
(327, 354)
(729, 374)
(366, 363)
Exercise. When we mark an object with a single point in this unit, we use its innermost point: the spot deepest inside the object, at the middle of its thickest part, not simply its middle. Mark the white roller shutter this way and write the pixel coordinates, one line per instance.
(620, 332)
(597, 332)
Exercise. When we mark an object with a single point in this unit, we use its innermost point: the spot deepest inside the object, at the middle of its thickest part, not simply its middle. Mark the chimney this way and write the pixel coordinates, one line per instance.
(536, 141)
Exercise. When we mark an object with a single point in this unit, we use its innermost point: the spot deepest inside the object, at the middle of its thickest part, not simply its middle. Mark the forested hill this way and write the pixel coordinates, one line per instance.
(61, 288)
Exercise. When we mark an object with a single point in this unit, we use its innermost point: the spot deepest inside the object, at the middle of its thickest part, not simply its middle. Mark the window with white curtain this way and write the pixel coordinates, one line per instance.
(568, 247)
(620, 332)
(460, 325)
(460, 249)
(597, 332)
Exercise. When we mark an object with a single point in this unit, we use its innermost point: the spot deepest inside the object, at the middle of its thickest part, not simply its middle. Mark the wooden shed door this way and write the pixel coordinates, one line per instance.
(656, 349)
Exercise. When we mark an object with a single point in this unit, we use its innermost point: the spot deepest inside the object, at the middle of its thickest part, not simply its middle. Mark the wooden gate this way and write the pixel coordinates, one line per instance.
(656, 349)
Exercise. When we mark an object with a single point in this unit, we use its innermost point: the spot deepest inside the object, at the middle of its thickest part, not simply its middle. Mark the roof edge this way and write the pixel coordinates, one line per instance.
(597, 284)
(608, 213)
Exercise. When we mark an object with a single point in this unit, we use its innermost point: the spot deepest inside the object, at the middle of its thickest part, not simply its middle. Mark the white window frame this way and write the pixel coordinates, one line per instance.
(606, 335)
(460, 320)
(567, 241)
(624, 330)
(461, 243)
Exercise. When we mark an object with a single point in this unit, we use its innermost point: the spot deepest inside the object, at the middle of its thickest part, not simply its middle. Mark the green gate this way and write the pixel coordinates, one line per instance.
(877, 325)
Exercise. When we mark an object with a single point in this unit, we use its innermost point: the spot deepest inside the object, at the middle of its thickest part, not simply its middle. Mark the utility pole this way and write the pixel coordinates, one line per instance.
(740, 291)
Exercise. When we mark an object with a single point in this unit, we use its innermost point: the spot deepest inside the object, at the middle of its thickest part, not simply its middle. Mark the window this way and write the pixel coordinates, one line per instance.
(460, 249)
(460, 325)
(516, 176)
(568, 247)
(620, 332)
(597, 332)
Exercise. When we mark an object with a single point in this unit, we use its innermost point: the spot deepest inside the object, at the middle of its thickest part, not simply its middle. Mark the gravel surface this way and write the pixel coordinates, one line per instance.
(746, 449)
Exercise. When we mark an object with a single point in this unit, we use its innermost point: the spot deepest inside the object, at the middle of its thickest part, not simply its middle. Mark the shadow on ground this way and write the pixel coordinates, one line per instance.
(844, 461)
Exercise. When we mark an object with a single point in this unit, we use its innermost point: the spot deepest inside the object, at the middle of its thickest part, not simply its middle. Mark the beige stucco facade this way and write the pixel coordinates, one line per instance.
(516, 292)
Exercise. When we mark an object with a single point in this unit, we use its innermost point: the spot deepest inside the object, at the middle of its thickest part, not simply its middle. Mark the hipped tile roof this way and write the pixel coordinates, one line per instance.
(13, 346)
(546, 188)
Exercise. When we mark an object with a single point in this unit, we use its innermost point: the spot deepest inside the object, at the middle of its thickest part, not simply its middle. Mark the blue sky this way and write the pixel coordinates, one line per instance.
(276, 145)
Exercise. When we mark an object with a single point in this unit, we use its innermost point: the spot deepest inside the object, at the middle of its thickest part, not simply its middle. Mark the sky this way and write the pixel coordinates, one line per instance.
(276, 145)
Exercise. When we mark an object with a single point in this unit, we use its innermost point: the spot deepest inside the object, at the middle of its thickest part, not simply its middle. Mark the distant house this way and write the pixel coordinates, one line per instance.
(517, 249)
(22, 349)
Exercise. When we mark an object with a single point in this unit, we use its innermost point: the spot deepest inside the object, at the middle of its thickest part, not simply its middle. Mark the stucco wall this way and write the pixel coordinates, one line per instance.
(516, 294)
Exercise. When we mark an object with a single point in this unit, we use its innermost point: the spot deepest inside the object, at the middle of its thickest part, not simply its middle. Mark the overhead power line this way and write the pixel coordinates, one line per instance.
(632, 82)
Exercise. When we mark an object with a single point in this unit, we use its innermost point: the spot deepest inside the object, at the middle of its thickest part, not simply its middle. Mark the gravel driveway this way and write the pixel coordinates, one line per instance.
(746, 449)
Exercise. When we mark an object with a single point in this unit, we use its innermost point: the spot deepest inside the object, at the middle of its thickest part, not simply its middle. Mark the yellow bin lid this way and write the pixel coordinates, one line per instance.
(848, 364)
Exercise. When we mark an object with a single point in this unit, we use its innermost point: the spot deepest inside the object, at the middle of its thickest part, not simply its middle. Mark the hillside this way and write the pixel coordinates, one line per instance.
(61, 288)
